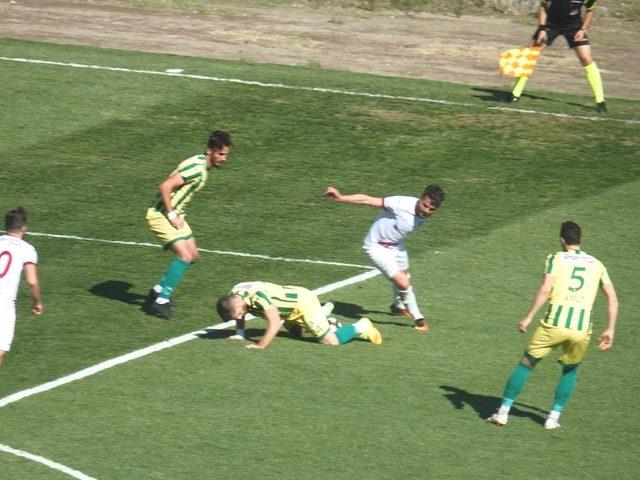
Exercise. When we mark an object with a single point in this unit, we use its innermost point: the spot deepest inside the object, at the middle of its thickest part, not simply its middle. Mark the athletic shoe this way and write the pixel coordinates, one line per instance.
(499, 419)
(400, 311)
(163, 310)
(369, 332)
(514, 99)
(152, 295)
(601, 107)
(420, 325)
(551, 424)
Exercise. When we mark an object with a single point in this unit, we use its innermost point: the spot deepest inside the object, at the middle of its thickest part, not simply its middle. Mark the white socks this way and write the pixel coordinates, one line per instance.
(411, 303)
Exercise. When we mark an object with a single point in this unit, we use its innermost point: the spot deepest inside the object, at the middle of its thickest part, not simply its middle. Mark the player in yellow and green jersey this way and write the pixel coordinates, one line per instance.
(570, 284)
(165, 217)
(298, 307)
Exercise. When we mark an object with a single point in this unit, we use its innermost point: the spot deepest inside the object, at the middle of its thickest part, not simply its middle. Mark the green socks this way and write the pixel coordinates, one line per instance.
(346, 334)
(593, 76)
(519, 86)
(565, 386)
(515, 384)
(173, 276)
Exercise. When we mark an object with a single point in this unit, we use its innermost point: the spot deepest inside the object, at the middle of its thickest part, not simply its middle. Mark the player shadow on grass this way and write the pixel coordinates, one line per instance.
(356, 312)
(502, 96)
(251, 334)
(485, 405)
(118, 290)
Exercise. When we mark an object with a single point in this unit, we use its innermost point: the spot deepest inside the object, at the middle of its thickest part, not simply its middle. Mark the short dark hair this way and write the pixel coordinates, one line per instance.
(570, 231)
(15, 220)
(435, 193)
(224, 307)
(219, 139)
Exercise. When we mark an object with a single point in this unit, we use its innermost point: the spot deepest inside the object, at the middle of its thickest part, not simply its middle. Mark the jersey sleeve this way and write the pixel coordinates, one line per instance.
(190, 171)
(549, 264)
(605, 279)
(30, 256)
(261, 301)
(394, 204)
(591, 4)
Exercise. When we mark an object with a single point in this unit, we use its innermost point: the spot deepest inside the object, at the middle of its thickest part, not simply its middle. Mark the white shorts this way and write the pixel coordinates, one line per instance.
(389, 260)
(7, 324)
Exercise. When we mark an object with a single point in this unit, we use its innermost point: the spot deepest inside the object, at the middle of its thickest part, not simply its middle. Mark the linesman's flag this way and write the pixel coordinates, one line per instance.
(519, 62)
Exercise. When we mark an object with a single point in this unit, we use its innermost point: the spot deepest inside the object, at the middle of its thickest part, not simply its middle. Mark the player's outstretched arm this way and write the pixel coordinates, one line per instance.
(606, 339)
(356, 198)
(31, 277)
(273, 317)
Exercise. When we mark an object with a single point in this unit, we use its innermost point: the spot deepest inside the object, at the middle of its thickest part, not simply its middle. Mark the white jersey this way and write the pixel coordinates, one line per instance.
(397, 220)
(14, 255)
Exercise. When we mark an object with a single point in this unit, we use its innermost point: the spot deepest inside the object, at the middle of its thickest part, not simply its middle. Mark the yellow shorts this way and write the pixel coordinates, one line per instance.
(308, 315)
(574, 343)
(166, 233)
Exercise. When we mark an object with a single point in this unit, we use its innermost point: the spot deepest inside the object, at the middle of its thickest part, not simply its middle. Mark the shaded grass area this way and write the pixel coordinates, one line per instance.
(90, 148)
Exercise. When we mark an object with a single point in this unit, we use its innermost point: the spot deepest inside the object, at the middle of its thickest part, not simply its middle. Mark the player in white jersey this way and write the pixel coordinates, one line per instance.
(16, 255)
(384, 244)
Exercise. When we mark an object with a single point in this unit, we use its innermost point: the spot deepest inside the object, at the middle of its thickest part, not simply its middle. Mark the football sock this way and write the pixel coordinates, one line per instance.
(411, 303)
(519, 86)
(346, 334)
(327, 308)
(515, 384)
(595, 80)
(565, 387)
(172, 277)
(397, 301)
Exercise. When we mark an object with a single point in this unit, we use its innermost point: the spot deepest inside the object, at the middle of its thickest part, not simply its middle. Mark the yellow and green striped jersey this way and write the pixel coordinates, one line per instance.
(577, 276)
(195, 173)
(259, 296)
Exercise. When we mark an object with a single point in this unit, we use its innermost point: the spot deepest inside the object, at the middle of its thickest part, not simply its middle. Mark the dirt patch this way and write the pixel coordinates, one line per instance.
(425, 46)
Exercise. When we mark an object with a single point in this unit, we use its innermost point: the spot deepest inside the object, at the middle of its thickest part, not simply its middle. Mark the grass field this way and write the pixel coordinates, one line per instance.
(83, 151)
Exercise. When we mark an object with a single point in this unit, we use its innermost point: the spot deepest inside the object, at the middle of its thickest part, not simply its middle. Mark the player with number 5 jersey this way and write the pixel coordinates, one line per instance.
(16, 256)
(570, 284)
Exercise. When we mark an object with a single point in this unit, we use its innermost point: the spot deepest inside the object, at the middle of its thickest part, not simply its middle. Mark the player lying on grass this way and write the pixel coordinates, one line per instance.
(384, 244)
(571, 280)
(298, 307)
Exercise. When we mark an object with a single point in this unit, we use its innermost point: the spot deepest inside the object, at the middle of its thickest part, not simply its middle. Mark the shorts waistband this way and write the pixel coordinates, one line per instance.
(388, 244)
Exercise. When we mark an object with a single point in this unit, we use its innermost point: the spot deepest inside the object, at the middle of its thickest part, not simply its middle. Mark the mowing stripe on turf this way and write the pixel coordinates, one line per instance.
(219, 252)
(45, 461)
(314, 89)
(160, 346)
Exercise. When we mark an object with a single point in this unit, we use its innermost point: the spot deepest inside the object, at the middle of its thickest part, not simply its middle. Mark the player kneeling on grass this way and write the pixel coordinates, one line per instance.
(298, 307)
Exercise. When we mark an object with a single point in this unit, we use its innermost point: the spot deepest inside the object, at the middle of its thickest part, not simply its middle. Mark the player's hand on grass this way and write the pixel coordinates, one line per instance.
(255, 346)
(37, 308)
(331, 192)
(606, 340)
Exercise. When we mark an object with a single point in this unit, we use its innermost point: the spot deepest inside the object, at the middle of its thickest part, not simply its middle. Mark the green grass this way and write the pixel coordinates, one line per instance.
(83, 151)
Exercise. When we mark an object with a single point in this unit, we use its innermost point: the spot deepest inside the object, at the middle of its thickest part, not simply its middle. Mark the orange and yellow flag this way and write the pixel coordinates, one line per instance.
(519, 62)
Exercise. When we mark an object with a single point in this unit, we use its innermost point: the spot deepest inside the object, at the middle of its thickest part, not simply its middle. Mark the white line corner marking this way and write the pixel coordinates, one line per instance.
(159, 346)
(312, 89)
(45, 461)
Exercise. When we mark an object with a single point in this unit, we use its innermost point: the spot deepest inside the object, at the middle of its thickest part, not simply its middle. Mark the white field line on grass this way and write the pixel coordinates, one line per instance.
(314, 89)
(219, 252)
(159, 346)
(45, 461)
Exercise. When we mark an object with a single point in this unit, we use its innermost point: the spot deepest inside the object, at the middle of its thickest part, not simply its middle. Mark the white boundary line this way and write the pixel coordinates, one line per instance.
(45, 461)
(313, 89)
(159, 346)
(219, 252)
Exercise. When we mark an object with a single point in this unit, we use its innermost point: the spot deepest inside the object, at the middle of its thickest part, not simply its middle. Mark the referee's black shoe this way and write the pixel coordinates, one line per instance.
(163, 310)
(152, 295)
(601, 107)
(514, 99)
